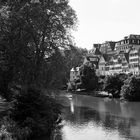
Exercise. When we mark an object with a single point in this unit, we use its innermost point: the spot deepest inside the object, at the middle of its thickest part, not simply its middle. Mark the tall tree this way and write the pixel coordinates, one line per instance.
(31, 31)
(88, 77)
(74, 57)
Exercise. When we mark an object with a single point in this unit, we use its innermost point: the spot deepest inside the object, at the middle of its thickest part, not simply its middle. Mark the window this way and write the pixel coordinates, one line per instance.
(123, 59)
(135, 65)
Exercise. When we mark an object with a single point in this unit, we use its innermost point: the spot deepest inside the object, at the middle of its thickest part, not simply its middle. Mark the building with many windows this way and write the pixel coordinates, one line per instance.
(107, 47)
(127, 43)
(122, 56)
(134, 60)
(103, 68)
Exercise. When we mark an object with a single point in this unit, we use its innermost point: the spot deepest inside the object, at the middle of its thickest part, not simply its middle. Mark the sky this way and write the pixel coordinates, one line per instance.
(105, 20)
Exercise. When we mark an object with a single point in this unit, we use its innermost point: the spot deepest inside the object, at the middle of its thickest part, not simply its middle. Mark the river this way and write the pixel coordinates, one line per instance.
(93, 118)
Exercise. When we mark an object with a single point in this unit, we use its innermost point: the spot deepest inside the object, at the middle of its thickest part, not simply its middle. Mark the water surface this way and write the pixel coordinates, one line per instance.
(92, 118)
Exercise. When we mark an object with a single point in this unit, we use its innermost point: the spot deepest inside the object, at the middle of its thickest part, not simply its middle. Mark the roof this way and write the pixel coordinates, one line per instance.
(132, 36)
(106, 57)
(75, 69)
(112, 45)
(95, 51)
(72, 69)
(127, 56)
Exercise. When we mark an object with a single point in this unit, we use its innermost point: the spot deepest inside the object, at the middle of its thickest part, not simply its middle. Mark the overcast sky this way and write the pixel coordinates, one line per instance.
(105, 20)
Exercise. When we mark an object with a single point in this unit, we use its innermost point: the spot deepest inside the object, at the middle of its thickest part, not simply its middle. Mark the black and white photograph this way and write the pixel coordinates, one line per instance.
(69, 69)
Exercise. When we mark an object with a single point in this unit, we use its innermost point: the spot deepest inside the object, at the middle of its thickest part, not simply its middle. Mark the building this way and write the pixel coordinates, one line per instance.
(119, 63)
(94, 51)
(134, 60)
(74, 74)
(124, 59)
(92, 59)
(97, 46)
(103, 65)
(127, 43)
(108, 47)
(119, 57)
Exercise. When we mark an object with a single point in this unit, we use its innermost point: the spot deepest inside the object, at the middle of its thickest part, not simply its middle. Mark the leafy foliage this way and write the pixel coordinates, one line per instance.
(37, 112)
(114, 83)
(32, 35)
(131, 89)
(88, 77)
(74, 57)
(11, 131)
(101, 82)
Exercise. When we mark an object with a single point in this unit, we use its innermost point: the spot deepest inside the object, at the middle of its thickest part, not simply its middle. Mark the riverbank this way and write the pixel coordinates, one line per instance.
(120, 86)
(101, 94)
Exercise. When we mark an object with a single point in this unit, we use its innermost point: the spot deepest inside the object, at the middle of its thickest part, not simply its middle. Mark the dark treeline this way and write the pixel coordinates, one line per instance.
(123, 86)
(36, 53)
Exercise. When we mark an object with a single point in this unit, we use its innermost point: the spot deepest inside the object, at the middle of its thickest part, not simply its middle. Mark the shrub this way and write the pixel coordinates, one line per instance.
(36, 111)
(101, 82)
(131, 89)
(114, 83)
(9, 130)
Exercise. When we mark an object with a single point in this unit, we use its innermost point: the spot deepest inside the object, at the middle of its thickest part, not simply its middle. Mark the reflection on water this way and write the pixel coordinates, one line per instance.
(71, 106)
(89, 118)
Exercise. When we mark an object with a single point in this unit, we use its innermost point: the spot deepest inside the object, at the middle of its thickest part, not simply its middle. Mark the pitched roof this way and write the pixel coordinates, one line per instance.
(112, 45)
(75, 69)
(95, 51)
(127, 56)
(106, 57)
